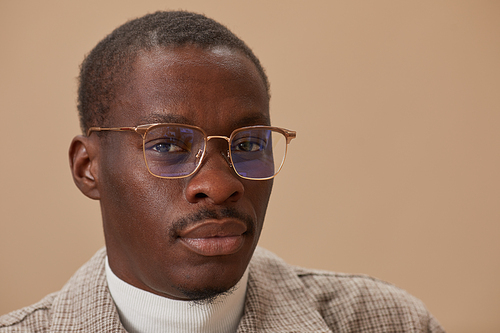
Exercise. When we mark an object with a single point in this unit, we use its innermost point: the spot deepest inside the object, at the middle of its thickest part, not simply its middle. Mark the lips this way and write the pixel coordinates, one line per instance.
(214, 238)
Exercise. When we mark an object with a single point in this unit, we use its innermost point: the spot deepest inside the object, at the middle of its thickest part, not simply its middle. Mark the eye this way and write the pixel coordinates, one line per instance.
(163, 146)
(249, 145)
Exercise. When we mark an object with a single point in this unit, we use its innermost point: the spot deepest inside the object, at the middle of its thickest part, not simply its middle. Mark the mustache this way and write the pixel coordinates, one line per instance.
(212, 214)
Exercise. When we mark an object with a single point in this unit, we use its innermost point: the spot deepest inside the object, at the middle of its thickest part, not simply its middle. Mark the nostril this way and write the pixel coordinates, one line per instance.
(201, 195)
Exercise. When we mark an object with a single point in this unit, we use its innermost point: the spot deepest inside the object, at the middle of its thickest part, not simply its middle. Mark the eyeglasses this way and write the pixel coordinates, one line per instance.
(176, 151)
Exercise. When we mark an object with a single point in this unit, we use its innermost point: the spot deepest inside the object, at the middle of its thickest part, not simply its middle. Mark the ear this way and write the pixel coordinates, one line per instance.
(83, 163)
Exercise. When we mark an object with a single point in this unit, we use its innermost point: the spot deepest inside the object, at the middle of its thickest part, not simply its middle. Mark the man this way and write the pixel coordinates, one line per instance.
(179, 151)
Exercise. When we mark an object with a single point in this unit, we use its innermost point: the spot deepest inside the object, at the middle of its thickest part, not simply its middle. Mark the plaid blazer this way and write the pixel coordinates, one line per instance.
(280, 298)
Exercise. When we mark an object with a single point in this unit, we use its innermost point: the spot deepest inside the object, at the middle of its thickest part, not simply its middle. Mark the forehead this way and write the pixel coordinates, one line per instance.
(216, 87)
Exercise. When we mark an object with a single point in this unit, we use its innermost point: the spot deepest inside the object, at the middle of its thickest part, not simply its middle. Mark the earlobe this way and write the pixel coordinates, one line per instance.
(83, 164)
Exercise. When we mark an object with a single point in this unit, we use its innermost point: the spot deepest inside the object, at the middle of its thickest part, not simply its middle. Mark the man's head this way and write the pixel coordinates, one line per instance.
(108, 65)
(186, 238)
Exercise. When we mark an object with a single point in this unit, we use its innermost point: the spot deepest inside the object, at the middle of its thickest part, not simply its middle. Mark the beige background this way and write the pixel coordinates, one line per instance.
(395, 171)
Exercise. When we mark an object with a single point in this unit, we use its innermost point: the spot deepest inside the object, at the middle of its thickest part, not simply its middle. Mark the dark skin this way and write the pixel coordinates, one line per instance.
(150, 223)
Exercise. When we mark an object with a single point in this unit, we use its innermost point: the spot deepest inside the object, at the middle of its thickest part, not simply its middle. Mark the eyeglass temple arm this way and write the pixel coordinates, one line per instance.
(116, 129)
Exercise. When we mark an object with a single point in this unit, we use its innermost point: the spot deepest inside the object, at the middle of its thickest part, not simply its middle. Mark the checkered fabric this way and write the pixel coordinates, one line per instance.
(280, 298)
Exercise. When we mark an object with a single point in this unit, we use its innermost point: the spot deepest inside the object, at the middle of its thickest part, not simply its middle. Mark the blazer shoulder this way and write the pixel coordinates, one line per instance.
(348, 302)
(332, 285)
(33, 318)
(341, 296)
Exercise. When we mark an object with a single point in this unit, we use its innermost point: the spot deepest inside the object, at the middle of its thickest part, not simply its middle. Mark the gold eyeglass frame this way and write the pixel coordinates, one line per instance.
(143, 130)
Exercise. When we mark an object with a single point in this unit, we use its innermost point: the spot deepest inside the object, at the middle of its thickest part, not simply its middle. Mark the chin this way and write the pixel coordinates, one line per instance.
(206, 295)
(211, 283)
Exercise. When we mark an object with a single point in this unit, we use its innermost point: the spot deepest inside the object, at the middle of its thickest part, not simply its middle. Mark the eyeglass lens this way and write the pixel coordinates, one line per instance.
(176, 151)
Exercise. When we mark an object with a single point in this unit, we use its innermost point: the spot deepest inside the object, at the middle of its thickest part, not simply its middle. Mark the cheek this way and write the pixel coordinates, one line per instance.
(258, 193)
(130, 194)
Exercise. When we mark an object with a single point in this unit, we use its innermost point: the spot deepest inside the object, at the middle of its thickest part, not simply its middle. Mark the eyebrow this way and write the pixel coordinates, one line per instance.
(253, 119)
(165, 118)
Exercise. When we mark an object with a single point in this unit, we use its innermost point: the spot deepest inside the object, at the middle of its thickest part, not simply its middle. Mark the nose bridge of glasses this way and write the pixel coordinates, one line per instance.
(228, 140)
(217, 137)
(225, 154)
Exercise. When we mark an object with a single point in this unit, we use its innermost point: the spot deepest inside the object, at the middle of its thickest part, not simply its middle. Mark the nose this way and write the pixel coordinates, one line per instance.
(214, 182)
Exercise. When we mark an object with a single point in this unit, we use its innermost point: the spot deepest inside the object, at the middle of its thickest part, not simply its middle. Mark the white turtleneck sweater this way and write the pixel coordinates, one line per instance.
(144, 312)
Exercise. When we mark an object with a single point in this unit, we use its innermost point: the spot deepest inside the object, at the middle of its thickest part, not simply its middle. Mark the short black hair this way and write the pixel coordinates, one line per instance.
(106, 67)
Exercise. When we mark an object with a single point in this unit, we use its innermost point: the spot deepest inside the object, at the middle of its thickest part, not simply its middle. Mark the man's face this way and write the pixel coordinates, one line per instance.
(186, 238)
